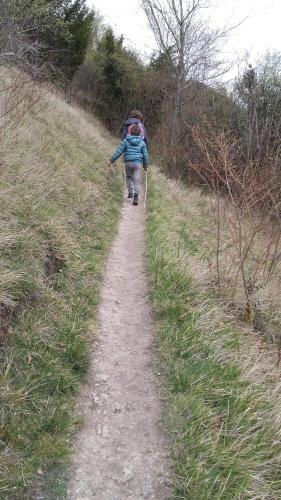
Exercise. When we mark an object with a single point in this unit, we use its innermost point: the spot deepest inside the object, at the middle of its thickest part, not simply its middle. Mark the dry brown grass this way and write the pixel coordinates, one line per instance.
(198, 221)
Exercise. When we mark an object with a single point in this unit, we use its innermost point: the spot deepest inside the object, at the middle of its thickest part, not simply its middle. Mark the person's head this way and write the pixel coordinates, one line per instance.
(136, 114)
(135, 130)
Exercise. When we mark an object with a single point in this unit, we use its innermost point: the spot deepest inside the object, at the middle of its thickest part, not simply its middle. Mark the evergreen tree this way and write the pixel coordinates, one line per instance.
(60, 29)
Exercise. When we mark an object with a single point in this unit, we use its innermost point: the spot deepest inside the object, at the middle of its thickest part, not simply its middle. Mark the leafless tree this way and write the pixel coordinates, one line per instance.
(191, 45)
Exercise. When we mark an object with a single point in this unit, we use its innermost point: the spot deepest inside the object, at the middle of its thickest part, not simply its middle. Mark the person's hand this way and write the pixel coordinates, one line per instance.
(109, 163)
(145, 168)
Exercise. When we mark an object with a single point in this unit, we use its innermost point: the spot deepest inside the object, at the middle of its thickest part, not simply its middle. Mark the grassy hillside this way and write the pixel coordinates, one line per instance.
(223, 397)
(58, 217)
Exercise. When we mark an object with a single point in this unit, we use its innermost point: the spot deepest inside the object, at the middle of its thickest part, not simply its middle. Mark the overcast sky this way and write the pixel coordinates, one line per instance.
(258, 33)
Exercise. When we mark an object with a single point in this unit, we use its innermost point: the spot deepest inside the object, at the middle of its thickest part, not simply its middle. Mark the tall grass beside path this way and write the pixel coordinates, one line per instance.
(58, 215)
(223, 389)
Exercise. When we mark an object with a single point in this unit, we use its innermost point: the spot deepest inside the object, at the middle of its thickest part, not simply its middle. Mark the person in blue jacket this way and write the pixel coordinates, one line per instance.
(135, 155)
(135, 118)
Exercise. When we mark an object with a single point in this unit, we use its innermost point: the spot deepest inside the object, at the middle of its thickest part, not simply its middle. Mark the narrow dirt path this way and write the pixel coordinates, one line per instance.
(121, 453)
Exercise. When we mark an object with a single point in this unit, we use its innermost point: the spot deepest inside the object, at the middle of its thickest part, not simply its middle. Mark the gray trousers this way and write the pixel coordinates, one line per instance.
(133, 177)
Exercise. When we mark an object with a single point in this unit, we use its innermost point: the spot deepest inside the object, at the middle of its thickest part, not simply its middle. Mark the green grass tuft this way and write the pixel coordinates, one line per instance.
(222, 394)
(59, 209)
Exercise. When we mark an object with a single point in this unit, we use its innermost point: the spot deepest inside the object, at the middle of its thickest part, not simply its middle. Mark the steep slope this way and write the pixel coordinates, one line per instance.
(59, 207)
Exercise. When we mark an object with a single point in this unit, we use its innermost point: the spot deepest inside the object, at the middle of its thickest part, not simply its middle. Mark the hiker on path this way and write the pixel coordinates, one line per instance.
(135, 155)
(135, 118)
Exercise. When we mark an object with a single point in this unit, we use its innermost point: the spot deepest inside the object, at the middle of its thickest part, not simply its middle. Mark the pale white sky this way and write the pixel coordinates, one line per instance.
(258, 33)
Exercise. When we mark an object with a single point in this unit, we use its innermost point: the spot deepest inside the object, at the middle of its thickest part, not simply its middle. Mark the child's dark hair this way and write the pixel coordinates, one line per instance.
(136, 114)
(135, 130)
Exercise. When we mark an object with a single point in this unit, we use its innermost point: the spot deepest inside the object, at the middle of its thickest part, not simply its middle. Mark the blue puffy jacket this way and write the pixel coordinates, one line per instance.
(134, 150)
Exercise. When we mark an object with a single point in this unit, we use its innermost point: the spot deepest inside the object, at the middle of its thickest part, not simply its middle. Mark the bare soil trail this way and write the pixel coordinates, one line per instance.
(121, 453)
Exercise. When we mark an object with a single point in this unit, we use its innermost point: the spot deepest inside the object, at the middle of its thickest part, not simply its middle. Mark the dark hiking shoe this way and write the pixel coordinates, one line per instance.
(136, 199)
(130, 195)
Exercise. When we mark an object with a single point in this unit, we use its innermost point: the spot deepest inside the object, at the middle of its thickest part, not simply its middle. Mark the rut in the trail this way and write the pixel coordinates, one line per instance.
(121, 453)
